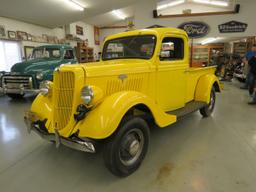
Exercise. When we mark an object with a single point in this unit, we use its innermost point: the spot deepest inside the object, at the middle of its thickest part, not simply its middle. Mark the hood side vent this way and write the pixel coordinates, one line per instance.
(130, 84)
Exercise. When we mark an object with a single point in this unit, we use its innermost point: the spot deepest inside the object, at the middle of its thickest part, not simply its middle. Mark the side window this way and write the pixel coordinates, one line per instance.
(172, 49)
(69, 54)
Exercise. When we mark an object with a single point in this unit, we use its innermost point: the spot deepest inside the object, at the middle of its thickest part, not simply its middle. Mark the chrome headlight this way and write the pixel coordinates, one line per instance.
(39, 76)
(45, 87)
(87, 95)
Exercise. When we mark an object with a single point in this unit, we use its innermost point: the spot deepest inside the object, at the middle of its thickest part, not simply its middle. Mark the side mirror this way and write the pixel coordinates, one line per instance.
(165, 54)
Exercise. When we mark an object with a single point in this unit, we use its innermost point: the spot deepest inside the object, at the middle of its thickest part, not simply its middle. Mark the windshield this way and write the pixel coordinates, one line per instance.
(141, 46)
(48, 53)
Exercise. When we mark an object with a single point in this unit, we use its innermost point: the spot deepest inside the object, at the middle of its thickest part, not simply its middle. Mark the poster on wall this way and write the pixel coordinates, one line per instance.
(21, 35)
(28, 52)
(97, 35)
(2, 31)
(195, 29)
(12, 34)
(233, 27)
(79, 30)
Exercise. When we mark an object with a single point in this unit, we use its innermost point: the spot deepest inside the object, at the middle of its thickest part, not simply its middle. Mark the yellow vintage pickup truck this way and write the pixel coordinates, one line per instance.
(142, 78)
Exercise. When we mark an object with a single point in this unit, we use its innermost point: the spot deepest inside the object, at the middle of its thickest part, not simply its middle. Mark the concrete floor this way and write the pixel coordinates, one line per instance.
(214, 154)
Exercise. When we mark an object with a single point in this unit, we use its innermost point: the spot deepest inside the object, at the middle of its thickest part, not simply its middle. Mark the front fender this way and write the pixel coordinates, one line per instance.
(204, 87)
(102, 121)
(42, 106)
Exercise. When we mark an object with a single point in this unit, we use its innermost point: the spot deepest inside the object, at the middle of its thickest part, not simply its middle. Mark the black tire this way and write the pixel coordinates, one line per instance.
(15, 96)
(207, 110)
(132, 133)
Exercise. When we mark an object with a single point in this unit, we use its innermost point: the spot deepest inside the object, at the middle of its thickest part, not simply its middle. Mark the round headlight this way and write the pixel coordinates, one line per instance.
(39, 76)
(87, 95)
(44, 87)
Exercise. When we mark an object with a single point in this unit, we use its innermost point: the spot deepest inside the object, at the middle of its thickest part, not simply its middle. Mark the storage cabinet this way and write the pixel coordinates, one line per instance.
(240, 48)
(84, 54)
(202, 54)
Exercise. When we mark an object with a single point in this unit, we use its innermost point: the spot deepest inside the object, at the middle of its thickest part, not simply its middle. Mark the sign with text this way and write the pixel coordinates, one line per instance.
(233, 27)
(195, 29)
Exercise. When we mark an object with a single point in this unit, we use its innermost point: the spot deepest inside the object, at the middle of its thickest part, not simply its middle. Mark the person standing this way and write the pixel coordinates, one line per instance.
(248, 57)
(252, 84)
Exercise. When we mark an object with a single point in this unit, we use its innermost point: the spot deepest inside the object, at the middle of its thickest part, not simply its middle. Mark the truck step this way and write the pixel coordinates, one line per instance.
(189, 108)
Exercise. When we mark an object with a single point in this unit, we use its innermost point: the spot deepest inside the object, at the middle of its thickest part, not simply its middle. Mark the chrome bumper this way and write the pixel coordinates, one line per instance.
(21, 90)
(85, 145)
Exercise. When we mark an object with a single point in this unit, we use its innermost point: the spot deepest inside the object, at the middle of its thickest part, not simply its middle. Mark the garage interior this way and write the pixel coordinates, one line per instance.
(196, 154)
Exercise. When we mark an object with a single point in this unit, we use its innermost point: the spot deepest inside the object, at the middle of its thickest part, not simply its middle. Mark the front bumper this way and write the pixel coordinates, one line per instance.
(81, 144)
(21, 90)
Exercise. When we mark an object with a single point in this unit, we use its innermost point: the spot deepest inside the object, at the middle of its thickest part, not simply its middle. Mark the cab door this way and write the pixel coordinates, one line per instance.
(171, 72)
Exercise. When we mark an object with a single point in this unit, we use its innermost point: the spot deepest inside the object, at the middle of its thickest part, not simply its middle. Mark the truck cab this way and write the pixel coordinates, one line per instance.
(25, 77)
(143, 78)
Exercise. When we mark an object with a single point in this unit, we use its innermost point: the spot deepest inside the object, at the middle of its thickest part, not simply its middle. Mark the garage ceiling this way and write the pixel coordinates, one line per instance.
(108, 18)
(54, 13)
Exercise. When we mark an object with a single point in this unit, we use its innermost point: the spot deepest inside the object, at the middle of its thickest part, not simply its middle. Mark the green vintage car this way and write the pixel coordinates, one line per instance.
(26, 77)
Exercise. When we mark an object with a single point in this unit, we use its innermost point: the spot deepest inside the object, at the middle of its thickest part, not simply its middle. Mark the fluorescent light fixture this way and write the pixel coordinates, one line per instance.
(209, 40)
(75, 5)
(212, 2)
(118, 14)
(171, 4)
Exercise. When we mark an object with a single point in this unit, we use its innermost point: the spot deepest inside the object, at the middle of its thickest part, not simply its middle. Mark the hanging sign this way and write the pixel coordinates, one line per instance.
(233, 27)
(195, 29)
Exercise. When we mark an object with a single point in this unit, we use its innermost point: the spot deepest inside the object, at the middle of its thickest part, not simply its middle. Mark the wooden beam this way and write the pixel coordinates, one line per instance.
(114, 27)
(235, 11)
(196, 14)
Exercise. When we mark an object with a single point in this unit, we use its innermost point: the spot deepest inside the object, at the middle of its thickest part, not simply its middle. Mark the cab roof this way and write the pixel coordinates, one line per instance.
(151, 31)
(57, 46)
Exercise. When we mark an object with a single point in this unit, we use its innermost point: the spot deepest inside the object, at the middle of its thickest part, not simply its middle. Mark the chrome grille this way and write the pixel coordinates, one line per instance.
(64, 83)
(17, 82)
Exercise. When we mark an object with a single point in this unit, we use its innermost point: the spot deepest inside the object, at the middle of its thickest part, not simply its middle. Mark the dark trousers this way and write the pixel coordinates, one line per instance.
(251, 82)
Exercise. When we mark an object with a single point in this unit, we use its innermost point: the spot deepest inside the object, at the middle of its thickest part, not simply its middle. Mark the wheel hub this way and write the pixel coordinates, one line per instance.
(134, 147)
(131, 147)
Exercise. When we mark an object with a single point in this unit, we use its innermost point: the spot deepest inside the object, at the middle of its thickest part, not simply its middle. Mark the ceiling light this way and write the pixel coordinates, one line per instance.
(118, 14)
(171, 4)
(212, 2)
(209, 40)
(75, 5)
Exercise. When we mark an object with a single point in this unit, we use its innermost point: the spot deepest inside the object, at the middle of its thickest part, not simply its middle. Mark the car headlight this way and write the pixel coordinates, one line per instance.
(45, 88)
(87, 95)
(91, 95)
(39, 76)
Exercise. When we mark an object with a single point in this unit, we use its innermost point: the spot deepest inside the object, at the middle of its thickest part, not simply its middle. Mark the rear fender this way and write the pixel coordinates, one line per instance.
(204, 87)
(102, 121)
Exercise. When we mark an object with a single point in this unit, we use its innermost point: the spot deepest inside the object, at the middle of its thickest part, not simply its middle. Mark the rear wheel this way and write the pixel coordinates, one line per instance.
(207, 110)
(126, 149)
(15, 96)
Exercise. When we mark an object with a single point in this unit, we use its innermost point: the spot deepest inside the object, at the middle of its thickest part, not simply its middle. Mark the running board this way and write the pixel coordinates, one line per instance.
(189, 108)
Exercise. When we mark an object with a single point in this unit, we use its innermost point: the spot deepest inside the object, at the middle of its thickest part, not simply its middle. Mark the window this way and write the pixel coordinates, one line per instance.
(172, 49)
(140, 46)
(69, 54)
(46, 53)
(10, 53)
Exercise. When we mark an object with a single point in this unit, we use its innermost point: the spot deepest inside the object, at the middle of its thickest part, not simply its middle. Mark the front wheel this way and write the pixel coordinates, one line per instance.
(207, 110)
(126, 149)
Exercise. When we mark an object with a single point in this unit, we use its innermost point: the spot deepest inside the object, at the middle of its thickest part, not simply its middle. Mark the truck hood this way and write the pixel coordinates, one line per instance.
(117, 67)
(35, 65)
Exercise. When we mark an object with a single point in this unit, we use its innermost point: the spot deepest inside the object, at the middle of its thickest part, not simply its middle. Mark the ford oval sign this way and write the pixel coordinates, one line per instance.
(195, 29)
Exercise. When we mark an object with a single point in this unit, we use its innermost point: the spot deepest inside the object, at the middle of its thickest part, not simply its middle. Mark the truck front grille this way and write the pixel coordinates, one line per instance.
(17, 82)
(64, 83)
